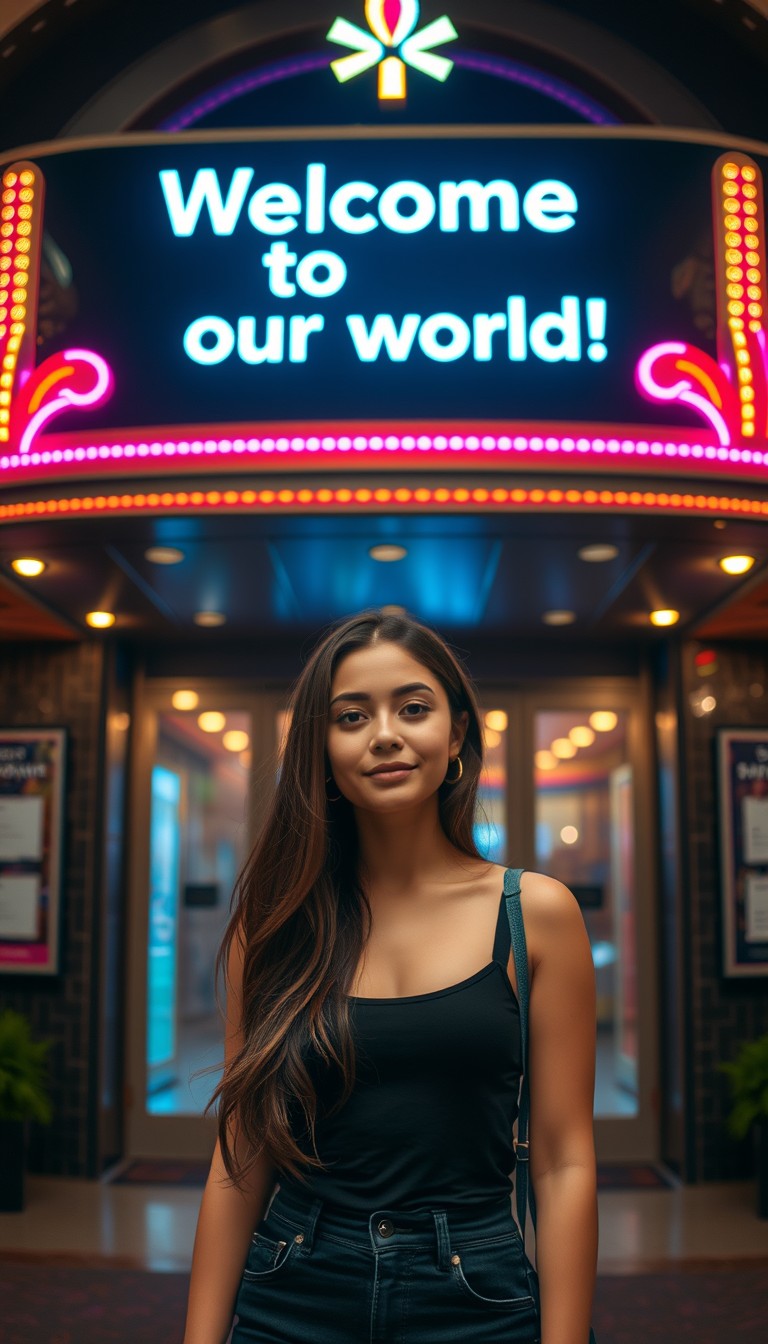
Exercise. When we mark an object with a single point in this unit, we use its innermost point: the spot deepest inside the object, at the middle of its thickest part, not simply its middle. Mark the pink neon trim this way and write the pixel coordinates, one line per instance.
(621, 448)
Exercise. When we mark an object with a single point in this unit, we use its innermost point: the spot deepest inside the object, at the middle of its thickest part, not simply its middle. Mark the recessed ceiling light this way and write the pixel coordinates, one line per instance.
(209, 618)
(558, 617)
(563, 748)
(544, 760)
(211, 721)
(497, 719)
(736, 564)
(236, 740)
(164, 555)
(185, 699)
(720, 523)
(387, 552)
(598, 552)
(665, 616)
(28, 567)
(569, 835)
(603, 720)
(100, 620)
(581, 735)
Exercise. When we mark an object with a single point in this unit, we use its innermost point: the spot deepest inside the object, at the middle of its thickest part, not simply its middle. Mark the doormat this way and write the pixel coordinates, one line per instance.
(161, 1171)
(57, 1304)
(166, 1171)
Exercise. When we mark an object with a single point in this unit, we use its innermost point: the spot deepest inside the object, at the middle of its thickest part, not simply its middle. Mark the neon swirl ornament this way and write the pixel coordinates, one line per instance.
(392, 25)
(71, 378)
(732, 393)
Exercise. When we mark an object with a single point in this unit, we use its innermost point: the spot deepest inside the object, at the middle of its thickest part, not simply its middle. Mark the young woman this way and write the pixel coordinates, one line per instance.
(360, 1186)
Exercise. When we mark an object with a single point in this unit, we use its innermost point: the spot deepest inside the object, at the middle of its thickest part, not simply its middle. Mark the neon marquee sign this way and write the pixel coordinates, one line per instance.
(326, 307)
(392, 27)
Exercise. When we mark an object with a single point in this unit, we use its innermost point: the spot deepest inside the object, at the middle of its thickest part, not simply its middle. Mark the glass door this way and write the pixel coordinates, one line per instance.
(585, 773)
(200, 747)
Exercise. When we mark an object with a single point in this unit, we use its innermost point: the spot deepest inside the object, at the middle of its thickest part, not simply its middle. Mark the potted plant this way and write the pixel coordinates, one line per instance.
(748, 1075)
(23, 1097)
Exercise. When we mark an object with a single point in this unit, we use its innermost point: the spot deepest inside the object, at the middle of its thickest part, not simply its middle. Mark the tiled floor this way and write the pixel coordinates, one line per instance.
(154, 1226)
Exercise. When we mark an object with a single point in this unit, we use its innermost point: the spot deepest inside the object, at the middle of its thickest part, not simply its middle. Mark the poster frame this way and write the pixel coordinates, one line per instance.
(733, 865)
(20, 962)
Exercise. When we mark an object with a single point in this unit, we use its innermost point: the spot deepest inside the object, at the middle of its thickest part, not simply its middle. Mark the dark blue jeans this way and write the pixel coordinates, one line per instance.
(317, 1274)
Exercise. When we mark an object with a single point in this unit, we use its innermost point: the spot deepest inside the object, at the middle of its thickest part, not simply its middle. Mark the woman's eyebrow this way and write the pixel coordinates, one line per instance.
(399, 690)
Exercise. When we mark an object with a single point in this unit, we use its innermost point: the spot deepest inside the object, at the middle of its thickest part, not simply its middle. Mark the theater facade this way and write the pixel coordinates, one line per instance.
(456, 312)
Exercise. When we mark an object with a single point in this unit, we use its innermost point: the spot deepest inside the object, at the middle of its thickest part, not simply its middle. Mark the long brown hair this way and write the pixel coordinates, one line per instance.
(300, 908)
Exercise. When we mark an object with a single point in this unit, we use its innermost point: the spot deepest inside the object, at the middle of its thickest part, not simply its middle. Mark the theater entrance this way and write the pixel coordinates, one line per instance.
(566, 790)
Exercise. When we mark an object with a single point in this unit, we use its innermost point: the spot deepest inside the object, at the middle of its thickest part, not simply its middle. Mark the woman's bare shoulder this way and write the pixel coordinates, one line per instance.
(550, 912)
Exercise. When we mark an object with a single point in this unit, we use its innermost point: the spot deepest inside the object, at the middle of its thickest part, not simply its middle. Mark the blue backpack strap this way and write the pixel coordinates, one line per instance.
(524, 1195)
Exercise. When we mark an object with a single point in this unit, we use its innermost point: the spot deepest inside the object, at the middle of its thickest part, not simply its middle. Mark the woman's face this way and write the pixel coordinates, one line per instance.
(376, 722)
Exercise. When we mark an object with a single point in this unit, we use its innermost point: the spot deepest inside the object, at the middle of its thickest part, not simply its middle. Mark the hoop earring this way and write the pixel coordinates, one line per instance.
(458, 777)
(328, 798)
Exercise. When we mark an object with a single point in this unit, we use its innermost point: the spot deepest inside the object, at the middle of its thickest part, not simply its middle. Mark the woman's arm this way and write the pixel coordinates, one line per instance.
(228, 1215)
(561, 1050)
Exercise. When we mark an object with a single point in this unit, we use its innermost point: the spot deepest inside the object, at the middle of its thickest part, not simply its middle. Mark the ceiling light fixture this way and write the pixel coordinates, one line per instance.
(209, 618)
(598, 552)
(497, 719)
(603, 720)
(211, 721)
(559, 617)
(563, 748)
(544, 760)
(100, 620)
(28, 567)
(387, 552)
(664, 616)
(164, 555)
(582, 736)
(236, 740)
(185, 699)
(736, 564)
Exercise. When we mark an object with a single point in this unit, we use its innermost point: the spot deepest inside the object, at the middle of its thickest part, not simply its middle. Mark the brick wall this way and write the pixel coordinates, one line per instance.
(43, 684)
(725, 1012)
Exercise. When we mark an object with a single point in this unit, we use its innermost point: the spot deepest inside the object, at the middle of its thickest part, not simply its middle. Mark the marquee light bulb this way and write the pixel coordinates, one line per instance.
(563, 748)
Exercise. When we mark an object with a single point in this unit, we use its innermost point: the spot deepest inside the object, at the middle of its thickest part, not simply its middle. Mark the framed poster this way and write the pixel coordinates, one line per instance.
(742, 755)
(32, 764)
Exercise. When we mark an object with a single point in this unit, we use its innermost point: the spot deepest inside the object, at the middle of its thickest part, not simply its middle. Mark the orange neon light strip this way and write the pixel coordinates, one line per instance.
(741, 283)
(343, 498)
(21, 200)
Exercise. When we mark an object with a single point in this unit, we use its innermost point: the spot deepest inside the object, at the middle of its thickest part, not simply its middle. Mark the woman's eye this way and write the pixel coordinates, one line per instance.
(412, 704)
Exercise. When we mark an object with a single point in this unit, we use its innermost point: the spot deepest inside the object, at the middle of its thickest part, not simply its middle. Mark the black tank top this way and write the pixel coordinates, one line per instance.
(436, 1095)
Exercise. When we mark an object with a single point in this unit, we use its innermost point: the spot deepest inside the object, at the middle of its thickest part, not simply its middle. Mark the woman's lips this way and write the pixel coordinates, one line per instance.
(393, 776)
